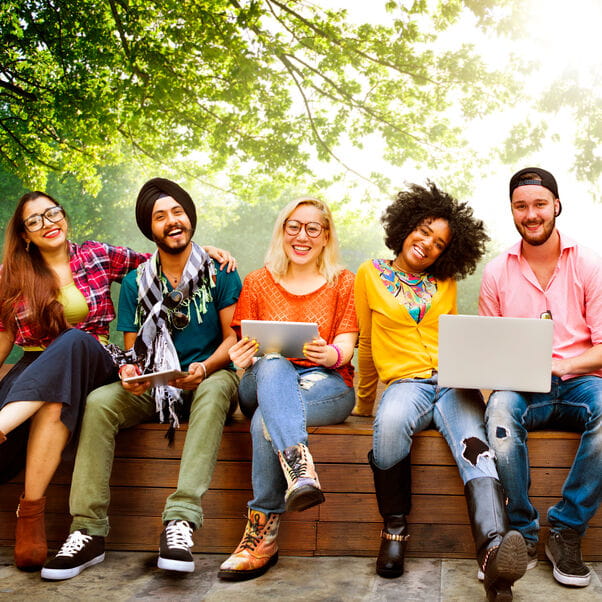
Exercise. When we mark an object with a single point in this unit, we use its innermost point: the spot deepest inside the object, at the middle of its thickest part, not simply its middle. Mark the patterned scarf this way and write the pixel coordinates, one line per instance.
(154, 350)
(414, 291)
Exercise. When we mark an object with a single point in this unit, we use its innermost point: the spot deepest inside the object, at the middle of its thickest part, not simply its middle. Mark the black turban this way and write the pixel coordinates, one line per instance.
(155, 189)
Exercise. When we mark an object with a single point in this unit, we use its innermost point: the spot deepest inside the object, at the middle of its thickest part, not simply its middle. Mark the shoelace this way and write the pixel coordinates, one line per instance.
(297, 468)
(252, 536)
(179, 535)
(74, 544)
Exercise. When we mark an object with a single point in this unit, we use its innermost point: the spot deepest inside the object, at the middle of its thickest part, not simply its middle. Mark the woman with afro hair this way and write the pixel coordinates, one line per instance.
(435, 241)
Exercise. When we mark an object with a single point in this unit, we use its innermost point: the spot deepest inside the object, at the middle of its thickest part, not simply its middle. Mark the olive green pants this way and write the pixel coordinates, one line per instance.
(111, 408)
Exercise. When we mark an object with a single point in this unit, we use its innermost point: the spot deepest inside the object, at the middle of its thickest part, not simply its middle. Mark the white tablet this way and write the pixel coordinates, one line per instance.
(286, 338)
(156, 378)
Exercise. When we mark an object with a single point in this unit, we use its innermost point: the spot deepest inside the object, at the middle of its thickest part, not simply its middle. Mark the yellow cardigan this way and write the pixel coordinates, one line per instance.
(391, 344)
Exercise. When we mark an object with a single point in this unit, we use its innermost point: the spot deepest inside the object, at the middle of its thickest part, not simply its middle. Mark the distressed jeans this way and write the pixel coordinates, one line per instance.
(412, 405)
(282, 399)
(573, 405)
(112, 408)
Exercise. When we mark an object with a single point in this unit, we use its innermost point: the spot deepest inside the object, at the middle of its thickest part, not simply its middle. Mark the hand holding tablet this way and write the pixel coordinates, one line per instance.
(286, 338)
(156, 378)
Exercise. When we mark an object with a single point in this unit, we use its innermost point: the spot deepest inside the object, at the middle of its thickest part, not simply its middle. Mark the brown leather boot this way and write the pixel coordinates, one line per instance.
(31, 548)
(257, 551)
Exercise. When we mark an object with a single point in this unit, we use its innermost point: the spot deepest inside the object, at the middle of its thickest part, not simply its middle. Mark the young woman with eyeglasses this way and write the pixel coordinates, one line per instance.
(302, 281)
(55, 304)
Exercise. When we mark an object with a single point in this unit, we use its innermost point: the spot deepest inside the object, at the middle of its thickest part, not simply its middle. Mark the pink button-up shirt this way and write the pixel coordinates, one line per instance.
(573, 295)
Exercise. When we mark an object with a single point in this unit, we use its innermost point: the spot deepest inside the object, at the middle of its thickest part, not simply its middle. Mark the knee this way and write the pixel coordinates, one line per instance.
(502, 409)
(99, 402)
(50, 412)
(270, 365)
(477, 452)
(76, 337)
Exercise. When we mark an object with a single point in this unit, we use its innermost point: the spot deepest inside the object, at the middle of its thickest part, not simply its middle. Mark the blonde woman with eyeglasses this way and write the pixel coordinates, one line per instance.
(302, 281)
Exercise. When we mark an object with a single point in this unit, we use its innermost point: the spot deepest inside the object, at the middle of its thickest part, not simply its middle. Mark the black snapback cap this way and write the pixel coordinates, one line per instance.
(544, 178)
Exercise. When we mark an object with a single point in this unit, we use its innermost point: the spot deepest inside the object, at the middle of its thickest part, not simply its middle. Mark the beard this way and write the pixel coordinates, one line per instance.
(164, 244)
(537, 240)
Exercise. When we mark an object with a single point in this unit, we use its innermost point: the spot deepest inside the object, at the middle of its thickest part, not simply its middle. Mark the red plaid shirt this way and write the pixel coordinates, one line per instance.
(94, 266)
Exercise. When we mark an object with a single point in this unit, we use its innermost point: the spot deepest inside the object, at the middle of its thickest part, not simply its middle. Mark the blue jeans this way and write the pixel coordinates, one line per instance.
(412, 405)
(282, 399)
(574, 404)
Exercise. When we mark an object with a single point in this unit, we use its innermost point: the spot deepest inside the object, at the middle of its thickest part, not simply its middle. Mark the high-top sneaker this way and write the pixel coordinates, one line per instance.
(563, 550)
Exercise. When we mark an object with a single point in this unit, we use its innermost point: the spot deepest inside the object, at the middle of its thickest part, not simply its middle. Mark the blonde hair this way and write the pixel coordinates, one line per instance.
(276, 260)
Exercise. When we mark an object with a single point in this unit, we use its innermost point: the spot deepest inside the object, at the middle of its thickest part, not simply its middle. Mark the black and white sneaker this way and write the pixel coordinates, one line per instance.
(174, 550)
(79, 551)
(563, 550)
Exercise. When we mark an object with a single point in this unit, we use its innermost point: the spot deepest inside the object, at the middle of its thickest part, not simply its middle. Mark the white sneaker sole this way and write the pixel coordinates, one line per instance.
(181, 566)
(59, 574)
(576, 580)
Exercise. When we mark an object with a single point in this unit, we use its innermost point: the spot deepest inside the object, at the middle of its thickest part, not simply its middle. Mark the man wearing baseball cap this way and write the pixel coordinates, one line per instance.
(175, 312)
(548, 275)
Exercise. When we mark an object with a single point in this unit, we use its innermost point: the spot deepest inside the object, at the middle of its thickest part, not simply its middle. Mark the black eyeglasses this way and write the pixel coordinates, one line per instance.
(313, 229)
(35, 222)
(176, 318)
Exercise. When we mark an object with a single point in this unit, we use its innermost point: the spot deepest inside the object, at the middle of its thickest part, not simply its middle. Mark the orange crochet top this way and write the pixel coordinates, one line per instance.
(332, 307)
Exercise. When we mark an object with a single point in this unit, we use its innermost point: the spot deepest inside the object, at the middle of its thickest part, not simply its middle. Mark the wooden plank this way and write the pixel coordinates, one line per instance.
(219, 503)
(437, 509)
(426, 540)
(340, 478)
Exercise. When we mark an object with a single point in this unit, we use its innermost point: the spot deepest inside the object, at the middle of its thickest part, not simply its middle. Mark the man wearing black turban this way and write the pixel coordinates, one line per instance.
(155, 189)
(175, 313)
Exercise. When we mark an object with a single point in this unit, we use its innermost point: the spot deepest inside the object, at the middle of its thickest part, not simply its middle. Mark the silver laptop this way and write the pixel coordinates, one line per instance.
(477, 352)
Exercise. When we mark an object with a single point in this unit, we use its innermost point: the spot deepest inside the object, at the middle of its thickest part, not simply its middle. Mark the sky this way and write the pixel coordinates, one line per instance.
(563, 37)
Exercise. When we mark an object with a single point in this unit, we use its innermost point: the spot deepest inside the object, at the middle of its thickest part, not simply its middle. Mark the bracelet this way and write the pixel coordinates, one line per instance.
(339, 361)
(204, 370)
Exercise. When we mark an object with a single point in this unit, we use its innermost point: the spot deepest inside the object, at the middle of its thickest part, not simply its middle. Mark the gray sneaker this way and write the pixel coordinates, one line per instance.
(563, 549)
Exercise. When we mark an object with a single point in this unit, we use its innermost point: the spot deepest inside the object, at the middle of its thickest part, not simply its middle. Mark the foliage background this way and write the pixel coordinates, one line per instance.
(248, 103)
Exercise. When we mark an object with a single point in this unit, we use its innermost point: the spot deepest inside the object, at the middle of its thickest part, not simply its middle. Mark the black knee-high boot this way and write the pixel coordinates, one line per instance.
(502, 554)
(394, 496)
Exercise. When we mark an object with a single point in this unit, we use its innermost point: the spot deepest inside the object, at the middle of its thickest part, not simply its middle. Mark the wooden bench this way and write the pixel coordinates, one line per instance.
(145, 473)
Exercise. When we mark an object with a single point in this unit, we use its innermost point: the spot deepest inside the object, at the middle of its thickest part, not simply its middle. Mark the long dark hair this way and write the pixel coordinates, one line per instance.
(418, 204)
(27, 279)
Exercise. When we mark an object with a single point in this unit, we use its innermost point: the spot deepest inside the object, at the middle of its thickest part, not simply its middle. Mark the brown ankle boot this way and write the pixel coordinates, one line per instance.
(31, 548)
(256, 552)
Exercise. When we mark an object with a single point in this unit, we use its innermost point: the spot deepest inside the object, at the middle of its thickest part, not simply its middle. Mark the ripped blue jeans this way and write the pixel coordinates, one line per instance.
(574, 404)
(412, 405)
(282, 399)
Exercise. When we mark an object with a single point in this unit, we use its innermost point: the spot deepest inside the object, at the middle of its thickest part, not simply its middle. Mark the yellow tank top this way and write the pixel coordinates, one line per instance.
(74, 304)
